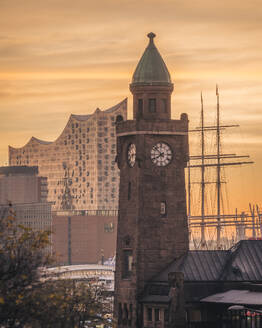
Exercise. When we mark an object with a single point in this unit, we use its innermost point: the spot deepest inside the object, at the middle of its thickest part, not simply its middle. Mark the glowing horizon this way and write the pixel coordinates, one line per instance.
(59, 58)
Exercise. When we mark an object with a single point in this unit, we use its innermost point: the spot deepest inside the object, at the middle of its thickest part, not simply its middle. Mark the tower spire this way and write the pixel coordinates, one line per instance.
(151, 37)
(151, 85)
(151, 69)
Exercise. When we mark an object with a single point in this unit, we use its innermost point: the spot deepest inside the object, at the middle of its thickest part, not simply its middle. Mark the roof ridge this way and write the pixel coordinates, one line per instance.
(228, 263)
(43, 142)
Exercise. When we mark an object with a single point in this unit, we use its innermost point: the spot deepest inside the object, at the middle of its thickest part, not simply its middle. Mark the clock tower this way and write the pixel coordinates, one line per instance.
(152, 152)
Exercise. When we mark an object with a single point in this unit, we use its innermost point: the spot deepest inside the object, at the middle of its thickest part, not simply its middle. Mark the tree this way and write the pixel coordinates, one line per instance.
(22, 253)
(68, 304)
(31, 298)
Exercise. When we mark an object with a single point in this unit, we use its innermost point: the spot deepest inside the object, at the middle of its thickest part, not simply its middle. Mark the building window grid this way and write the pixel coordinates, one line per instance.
(65, 154)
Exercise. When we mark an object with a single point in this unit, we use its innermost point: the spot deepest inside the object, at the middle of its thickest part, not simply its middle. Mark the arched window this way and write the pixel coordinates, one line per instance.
(119, 118)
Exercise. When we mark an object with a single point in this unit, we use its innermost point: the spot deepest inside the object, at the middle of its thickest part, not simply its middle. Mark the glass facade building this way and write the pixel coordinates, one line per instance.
(80, 164)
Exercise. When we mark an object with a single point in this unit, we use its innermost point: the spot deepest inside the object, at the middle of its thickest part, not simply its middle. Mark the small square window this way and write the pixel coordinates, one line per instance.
(163, 209)
(127, 263)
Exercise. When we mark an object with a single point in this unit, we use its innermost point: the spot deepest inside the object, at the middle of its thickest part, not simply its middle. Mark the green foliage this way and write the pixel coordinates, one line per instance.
(30, 298)
(22, 253)
(66, 303)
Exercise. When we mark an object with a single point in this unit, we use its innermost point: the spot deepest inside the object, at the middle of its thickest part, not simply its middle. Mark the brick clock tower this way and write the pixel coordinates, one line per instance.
(152, 152)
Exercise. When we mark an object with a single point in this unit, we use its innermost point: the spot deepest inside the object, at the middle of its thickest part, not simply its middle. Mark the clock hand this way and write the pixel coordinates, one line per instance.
(160, 155)
(155, 148)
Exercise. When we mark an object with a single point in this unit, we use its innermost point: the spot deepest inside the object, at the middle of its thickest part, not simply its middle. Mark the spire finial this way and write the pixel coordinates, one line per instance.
(151, 36)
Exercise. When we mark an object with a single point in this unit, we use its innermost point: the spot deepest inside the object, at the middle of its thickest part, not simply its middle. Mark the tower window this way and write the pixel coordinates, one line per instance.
(127, 263)
(130, 314)
(163, 209)
(152, 105)
(164, 105)
(149, 314)
(166, 315)
(140, 107)
(120, 313)
(125, 312)
(157, 317)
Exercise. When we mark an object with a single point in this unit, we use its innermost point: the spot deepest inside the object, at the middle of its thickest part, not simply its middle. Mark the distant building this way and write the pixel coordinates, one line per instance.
(80, 163)
(21, 184)
(36, 216)
(103, 274)
(80, 238)
(25, 193)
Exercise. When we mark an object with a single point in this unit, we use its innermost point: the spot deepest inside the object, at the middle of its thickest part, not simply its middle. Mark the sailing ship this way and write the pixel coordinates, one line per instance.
(217, 230)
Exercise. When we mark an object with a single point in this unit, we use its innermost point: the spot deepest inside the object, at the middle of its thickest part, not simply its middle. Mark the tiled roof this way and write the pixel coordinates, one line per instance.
(241, 263)
(245, 262)
(197, 266)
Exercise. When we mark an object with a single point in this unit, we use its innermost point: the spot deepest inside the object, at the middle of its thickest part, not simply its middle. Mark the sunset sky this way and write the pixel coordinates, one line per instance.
(59, 57)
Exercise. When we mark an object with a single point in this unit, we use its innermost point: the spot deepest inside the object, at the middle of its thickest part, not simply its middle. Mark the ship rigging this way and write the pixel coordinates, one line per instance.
(239, 222)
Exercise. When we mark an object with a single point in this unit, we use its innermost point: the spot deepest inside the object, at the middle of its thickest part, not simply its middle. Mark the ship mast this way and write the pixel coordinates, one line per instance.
(208, 220)
(218, 182)
(203, 238)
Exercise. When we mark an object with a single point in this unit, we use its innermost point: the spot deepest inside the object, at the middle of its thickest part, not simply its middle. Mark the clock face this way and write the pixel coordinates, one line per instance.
(131, 154)
(161, 154)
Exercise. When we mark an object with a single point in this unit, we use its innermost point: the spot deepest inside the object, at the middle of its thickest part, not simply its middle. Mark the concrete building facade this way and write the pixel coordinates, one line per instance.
(80, 163)
(79, 239)
(36, 216)
(22, 184)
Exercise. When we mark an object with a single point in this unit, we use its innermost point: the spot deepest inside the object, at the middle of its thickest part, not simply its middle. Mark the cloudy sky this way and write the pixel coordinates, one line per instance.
(59, 57)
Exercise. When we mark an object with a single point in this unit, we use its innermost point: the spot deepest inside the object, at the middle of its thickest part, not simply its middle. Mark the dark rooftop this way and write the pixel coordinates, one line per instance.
(243, 262)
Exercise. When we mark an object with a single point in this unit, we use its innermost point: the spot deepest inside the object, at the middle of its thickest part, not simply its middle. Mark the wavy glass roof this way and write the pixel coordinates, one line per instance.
(75, 117)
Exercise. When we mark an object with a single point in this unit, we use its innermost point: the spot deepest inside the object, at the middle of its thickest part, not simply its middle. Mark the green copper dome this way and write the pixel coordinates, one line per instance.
(151, 69)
